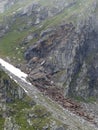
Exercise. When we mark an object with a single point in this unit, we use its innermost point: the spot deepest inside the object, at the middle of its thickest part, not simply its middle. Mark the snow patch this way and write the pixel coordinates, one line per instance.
(17, 72)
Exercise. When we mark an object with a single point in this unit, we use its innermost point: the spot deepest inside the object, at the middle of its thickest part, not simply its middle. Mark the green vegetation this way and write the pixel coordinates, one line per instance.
(31, 118)
(24, 111)
(91, 100)
(20, 108)
(2, 123)
(15, 8)
(87, 100)
(79, 99)
(10, 44)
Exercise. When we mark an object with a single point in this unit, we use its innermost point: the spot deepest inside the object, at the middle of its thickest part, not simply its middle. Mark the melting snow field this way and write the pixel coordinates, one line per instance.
(17, 72)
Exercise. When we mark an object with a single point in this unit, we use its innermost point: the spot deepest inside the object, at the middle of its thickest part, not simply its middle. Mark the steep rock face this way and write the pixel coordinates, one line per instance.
(54, 54)
(67, 58)
(64, 55)
(84, 80)
(9, 89)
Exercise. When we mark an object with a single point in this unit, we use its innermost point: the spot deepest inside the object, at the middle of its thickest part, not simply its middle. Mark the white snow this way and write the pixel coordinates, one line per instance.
(17, 72)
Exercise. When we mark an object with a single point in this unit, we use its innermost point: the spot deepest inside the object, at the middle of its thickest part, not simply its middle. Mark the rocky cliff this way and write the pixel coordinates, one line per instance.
(56, 44)
(59, 46)
(67, 58)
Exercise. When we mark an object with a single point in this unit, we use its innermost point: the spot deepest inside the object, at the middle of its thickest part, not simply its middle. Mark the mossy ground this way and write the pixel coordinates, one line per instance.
(2, 123)
(20, 111)
(37, 115)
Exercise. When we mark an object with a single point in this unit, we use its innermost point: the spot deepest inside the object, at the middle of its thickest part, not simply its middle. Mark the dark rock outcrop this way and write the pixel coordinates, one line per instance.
(9, 90)
(69, 58)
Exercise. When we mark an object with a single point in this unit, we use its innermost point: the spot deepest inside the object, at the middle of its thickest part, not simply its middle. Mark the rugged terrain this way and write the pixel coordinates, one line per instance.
(56, 44)
(35, 111)
(20, 112)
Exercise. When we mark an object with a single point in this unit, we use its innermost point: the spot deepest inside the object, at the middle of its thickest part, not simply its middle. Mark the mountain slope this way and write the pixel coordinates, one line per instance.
(56, 43)
(36, 111)
(22, 113)
(21, 23)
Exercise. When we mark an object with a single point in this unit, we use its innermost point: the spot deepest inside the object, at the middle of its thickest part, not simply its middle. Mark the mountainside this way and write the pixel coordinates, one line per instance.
(19, 112)
(56, 43)
(36, 111)
(69, 59)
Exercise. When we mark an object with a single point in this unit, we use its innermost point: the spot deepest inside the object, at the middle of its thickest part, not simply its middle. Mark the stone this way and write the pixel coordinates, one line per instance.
(61, 128)
(46, 32)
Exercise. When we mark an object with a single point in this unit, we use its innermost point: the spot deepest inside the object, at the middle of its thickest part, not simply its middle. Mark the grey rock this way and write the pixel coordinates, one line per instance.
(47, 32)
(60, 128)
(70, 59)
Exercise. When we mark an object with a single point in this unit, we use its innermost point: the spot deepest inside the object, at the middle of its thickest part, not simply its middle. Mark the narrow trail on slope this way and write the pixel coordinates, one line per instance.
(65, 116)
